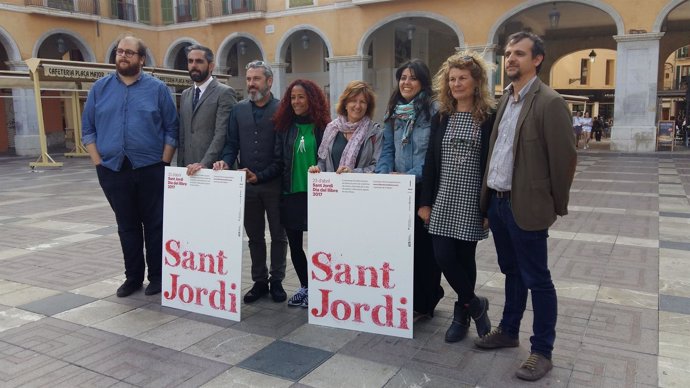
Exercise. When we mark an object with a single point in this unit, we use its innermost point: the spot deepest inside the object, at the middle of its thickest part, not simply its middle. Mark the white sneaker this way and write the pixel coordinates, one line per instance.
(300, 298)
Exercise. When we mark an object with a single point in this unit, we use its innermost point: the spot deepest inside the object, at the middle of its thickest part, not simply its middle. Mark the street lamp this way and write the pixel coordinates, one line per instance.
(243, 47)
(410, 31)
(554, 17)
(592, 56)
(61, 45)
(305, 41)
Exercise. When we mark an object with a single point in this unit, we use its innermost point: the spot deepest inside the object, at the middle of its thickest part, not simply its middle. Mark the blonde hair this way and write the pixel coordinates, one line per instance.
(353, 89)
(479, 70)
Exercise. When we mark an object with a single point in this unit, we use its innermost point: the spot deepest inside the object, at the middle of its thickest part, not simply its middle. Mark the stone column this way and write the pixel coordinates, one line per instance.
(488, 51)
(343, 70)
(279, 79)
(637, 65)
(26, 139)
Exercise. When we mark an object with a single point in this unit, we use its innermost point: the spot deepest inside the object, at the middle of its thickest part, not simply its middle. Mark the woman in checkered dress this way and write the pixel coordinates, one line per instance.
(452, 178)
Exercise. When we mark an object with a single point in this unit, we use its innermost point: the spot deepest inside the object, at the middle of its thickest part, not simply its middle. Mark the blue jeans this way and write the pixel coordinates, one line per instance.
(523, 259)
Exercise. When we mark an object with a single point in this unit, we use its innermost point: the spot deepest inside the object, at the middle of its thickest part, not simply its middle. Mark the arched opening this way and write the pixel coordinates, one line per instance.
(398, 40)
(304, 52)
(176, 57)
(233, 58)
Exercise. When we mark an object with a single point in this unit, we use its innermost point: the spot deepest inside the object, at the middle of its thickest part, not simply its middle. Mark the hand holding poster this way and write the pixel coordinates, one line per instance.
(202, 241)
(361, 229)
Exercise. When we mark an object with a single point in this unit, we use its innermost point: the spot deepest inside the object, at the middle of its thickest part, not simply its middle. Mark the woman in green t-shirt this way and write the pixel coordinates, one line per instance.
(300, 121)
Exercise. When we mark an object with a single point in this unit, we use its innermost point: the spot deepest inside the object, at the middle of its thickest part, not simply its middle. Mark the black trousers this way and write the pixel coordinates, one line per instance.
(299, 258)
(136, 197)
(263, 201)
(427, 273)
(457, 260)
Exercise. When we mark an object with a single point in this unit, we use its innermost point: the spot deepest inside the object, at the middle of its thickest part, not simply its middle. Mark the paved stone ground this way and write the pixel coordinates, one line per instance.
(620, 261)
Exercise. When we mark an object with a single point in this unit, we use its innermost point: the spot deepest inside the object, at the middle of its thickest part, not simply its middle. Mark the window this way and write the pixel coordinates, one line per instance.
(299, 3)
(584, 71)
(144, 11)
(123, 10)
(167, 11)
(610, 71)
(682, 52)
(681, 73)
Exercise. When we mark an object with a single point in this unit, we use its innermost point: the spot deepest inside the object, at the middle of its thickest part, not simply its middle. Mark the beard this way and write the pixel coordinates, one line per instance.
(198, 76)
(131, 69)
(258, 94)
(514, 76)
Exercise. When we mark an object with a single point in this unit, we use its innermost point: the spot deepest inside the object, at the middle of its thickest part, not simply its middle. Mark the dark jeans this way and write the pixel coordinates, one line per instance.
(299, 258)
(457, 261)
(263, 201)
(523, 258)
(427, 274)
(136, 197)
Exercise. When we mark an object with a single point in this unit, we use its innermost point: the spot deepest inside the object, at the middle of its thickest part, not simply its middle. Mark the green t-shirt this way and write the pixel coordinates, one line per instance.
(303, 157)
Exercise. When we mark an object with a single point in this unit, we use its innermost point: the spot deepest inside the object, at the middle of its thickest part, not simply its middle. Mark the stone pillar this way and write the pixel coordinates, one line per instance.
(26, 139)
(489, 54)
(279, 79)
(343, 70)
(637, 65)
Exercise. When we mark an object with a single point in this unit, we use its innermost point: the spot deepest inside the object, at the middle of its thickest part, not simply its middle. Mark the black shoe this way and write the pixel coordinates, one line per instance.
(277, 292)
(461, 323)
(479, 307)
(153, 288)
(127, 288)
(258, 290)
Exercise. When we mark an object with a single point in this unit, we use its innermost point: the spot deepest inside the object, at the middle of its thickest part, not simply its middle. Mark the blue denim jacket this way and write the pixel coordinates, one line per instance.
(136, 121)
(407, 159)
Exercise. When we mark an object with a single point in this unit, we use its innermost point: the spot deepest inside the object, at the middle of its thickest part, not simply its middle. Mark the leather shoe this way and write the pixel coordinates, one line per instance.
(258, 290)
(128, 288)
(534, 368)
(153, 288)
(277, 292)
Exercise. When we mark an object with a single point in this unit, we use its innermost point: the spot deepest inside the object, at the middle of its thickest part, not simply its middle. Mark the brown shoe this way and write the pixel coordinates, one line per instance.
(534, 368)
(496, 339)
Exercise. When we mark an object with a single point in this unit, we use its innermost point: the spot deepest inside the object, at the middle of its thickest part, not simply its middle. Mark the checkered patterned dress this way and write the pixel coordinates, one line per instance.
(455, 212)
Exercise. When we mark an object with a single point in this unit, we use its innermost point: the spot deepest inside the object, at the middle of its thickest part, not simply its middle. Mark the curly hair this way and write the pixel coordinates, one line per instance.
(355, 88)
(479, 70)
(318, 109)
(422, 104)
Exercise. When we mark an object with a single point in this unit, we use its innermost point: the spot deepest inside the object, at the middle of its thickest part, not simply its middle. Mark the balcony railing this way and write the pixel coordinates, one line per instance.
(89, 7)
(124, 11)
(187, 12)
(216, 8)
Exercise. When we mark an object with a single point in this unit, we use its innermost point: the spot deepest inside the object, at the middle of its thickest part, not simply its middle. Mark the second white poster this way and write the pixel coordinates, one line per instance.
(361, 229)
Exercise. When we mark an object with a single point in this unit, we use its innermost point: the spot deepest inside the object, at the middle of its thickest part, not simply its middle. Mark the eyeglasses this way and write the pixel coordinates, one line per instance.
(255, 64)
(469, 58)
(126, 53)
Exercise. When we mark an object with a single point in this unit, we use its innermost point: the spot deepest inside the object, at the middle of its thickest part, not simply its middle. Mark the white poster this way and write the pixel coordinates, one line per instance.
(361, 229)
(202, 241)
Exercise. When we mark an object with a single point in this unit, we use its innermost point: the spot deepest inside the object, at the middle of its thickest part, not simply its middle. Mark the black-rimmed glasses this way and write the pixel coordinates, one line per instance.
(125, 53)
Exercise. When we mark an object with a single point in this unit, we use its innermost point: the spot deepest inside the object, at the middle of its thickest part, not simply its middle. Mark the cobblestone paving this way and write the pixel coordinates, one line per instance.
(620, 261)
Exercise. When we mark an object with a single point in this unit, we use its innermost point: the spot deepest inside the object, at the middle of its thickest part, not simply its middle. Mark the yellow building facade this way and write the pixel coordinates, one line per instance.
(335, 41)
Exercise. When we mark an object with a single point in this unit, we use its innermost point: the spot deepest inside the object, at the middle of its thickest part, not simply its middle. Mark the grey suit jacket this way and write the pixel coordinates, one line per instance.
(544, 158)
(203, 130)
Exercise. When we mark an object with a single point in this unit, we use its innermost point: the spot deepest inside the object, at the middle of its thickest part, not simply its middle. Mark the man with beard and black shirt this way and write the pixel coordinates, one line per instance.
(130, 131)
(252, 137)
(204, 112)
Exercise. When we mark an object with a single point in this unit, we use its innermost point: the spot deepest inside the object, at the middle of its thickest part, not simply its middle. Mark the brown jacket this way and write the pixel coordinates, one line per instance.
(544, 158)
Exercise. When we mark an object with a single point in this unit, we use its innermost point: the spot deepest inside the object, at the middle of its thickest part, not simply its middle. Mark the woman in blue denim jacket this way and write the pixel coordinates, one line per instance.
(405, 141)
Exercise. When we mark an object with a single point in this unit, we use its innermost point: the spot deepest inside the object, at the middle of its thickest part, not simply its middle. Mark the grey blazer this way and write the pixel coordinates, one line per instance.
(203, 131)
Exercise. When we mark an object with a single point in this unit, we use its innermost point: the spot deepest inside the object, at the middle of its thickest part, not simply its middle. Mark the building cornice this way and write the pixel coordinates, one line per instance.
(638, 37)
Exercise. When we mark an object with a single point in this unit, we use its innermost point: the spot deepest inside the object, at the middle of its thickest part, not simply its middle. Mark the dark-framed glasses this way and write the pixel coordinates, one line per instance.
(126, 53)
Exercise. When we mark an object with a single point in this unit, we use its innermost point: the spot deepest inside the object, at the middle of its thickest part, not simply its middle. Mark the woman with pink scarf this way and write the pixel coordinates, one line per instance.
(351, 142)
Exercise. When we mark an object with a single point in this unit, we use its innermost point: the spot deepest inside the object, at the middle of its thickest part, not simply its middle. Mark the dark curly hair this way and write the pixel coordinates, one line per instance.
(318, 110)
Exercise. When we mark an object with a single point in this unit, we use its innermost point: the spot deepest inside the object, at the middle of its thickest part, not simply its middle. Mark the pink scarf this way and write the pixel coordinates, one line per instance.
(340, 124)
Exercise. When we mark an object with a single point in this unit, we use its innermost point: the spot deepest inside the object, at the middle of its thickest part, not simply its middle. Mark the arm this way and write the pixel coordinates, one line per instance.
(562, 156)
(170, 123)
(274, 169)
(180, 146)
(377, 142)
(386, 162)
(429, 169)
(226, 100)
(88, 137)
(232, 141)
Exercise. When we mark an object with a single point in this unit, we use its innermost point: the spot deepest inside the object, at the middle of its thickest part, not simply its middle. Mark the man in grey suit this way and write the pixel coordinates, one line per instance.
(526, 186)
(204, 111)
